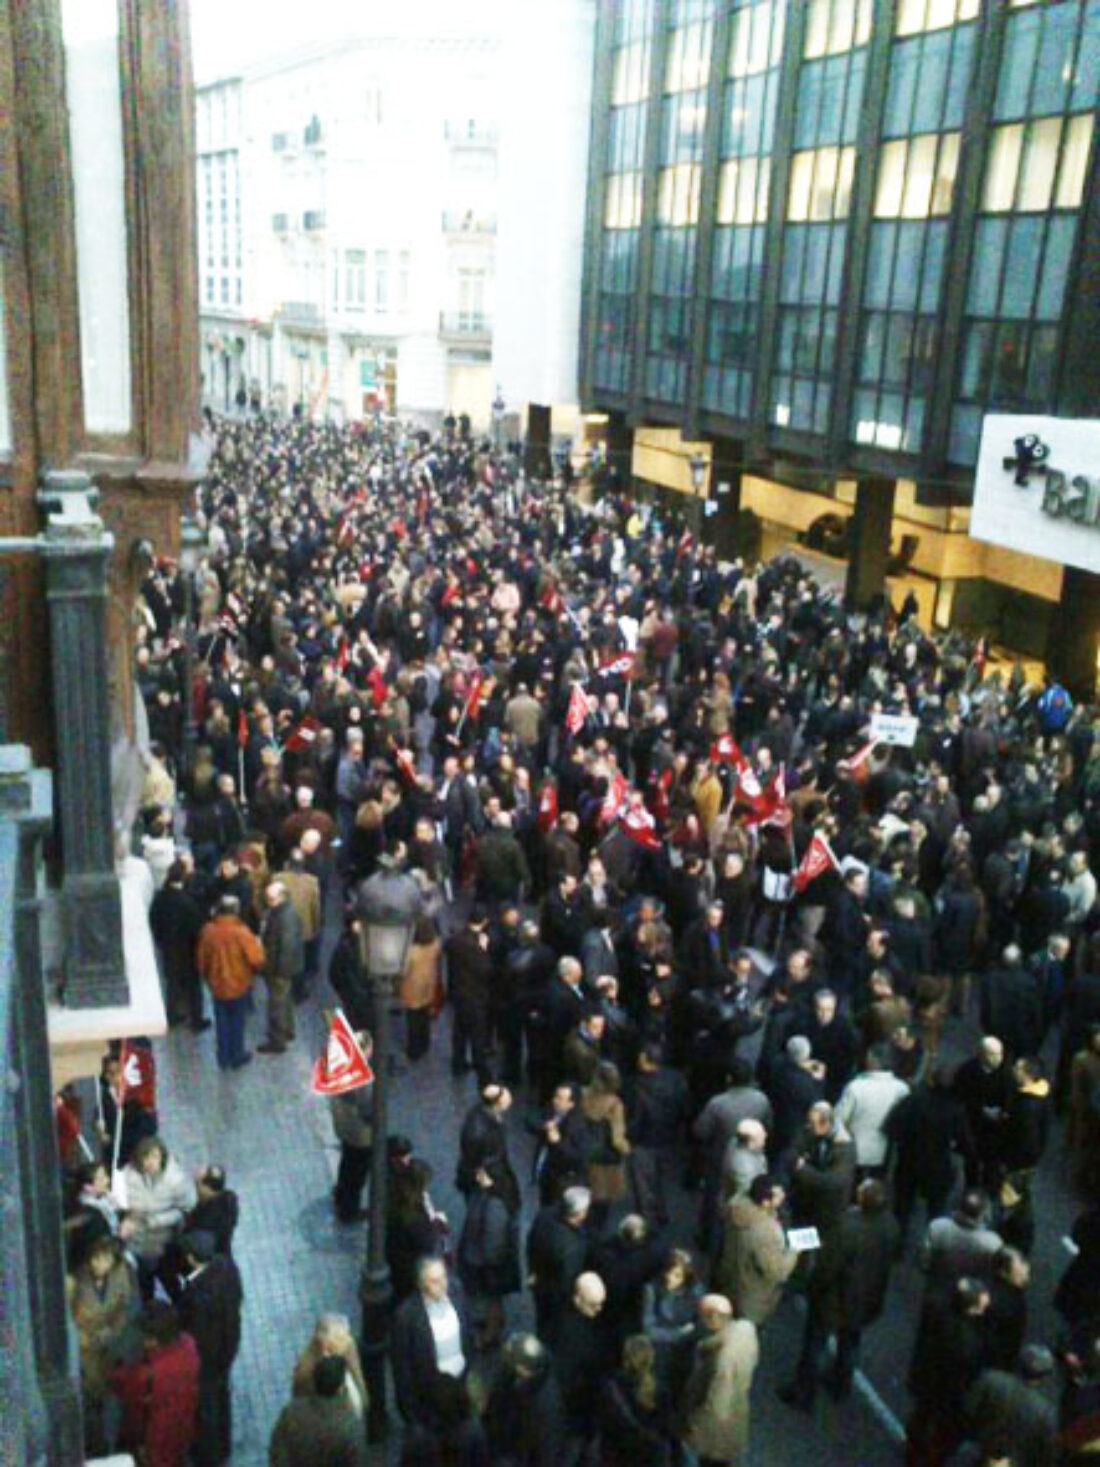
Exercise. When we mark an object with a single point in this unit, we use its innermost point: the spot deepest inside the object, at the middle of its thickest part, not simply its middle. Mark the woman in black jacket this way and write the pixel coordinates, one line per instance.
(634, 1420)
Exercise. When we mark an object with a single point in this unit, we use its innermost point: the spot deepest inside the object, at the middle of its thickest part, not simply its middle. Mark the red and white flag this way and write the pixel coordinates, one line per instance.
(343, 654)
(138, 1074)
(304, 736)
(242, 729)
(343, 1066)
(551, 599)
(725, 750)
(781, 814)
(577, 711)
(817, 860)
(636, 822)
(474, 696)
(621, 664)
(546, 816)
(376, 682)
(859, 765)
(617, 791)
(406, 765)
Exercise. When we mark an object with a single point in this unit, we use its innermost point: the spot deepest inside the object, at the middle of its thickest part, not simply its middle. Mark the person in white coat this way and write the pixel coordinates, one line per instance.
(864, 1106)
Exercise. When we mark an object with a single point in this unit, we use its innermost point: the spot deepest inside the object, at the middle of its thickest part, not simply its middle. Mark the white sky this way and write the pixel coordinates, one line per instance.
(229, 34)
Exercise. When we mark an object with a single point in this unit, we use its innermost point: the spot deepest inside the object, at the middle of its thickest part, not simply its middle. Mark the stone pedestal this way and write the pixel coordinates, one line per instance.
(76, 551)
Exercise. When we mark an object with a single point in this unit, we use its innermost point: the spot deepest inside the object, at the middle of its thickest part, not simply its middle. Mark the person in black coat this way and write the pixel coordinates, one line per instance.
(633, 1257)
(560, 1009)
(483, 1139)
(844, 930)
(349, 979)
(657, 1111)
(488, 1247)
(951, 1351)
(561, 1151)
(582, 1354)
(635, 1424)
(927, 1130)
(834, 1042)
(470, 976)
(557, 1248)
(176, 919)
(210, 1311)
(524, 1416)
(847, 1290)
(216, 1210)
(792, 1088)
(1012, 1005)
(984, 1085)
(565, 917)
(430, 1353)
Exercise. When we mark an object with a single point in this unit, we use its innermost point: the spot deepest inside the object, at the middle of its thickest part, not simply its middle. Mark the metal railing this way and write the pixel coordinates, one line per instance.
(465, 323)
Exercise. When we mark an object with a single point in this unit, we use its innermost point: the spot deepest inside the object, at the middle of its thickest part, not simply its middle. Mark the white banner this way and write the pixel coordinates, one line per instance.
(1037, 487)
(899, 729)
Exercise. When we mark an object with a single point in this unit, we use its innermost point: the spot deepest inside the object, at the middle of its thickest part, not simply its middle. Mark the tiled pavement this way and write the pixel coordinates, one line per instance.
(275, 1141)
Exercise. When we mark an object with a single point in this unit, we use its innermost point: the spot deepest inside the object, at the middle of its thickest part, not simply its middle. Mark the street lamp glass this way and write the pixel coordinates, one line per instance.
(192, 543)
(389, 904)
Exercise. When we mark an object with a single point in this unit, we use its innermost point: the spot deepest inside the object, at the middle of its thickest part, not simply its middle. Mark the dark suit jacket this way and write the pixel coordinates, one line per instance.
(412, 1356)
(556, 1254)
(210, 1311)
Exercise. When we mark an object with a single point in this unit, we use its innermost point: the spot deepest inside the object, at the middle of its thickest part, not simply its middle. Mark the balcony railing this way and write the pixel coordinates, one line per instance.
(304, 313)
(313, 220)
(465, 221)
(467, 325)
(470, 134)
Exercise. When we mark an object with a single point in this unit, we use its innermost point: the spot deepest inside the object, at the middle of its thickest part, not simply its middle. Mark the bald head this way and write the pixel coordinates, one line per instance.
(589, 1294)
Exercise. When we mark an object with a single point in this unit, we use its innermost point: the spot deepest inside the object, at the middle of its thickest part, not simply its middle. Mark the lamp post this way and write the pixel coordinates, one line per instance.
(698, 468)
(192, 545)
(388, 905)
(498, 418)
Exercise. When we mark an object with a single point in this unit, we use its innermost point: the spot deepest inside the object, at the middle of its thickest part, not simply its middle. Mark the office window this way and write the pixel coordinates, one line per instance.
(355, 279)
(404, 268)
(224, 291)
(210, 289)
(623, 201)
(381, 281)
(933, 15)
(238, 292)
(830, 92)
(626, 138)
(1049, 62)
(630, 82)
(688, 62)
(678, 194)
(471, 299)
(929, 82)
(743, 191)
(833, 26)
(1029, 164)
(916, 177)
(683, 121)
(756, 37)
(821, 184)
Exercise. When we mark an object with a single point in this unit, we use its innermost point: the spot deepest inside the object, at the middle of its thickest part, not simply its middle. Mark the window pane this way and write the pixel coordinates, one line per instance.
(910, 17)
(1017, 64)
(1002, 167)
(817, 28)
(1059, 244)
(891, 179)
(985, 270)
(1042, 362)
(824, 186)
(802, 174)
(880, 262)
(631, 80)
(1040, 158)
(1075, 157)
(1054, 69)
(1025, 244)
(947, 165)
(920, 168)
(844, 182)
(977, 360)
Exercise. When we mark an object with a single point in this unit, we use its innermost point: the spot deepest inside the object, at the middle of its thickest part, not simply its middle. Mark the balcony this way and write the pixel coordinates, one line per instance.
(301, 313)
(468, 133)
(280, 223)
(466, 224)
(313, 220)
(468, 327)
(285, 143)
(313, 135)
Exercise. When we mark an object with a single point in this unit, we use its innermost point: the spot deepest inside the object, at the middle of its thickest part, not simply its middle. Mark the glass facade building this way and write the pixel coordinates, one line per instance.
(843, 230)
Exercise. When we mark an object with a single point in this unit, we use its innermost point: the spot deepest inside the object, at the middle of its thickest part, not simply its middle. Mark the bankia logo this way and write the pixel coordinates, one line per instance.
(1030, 458)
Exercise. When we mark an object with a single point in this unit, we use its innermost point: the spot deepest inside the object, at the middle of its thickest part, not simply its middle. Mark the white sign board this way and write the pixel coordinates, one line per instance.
(899, 729)
(1037, 487)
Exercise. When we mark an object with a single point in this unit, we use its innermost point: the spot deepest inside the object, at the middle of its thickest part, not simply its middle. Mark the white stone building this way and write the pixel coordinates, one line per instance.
(347, 225)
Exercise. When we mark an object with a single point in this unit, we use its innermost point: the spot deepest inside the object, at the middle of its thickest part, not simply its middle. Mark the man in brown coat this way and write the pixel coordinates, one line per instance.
(756, 1261)
(229, 955)
(304, 891)
(715, 1404)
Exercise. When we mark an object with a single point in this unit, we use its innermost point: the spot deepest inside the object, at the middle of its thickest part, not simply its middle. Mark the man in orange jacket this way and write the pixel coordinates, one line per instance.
(229, 956)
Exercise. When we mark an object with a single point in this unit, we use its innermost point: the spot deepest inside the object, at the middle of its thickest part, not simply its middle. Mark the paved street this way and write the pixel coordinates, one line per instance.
(275, 1140)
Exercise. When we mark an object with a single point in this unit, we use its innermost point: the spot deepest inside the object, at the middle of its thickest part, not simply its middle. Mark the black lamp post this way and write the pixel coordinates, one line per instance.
(192, 545)
(698, 468)
(388, 906)
(498, 418)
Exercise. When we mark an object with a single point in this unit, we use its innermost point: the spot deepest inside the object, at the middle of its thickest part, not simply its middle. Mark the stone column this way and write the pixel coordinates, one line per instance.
(48, 1397)
(536, 456)
(723, 528)
(620, 451)
(870, 545)
(76, 550)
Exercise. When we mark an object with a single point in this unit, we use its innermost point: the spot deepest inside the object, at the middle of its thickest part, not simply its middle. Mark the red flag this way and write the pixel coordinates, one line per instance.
(304, 736)
(343, 653)
(577, 711)
(242, 729)
(617, 791)
(377, 683)
(724, 750)
(817, 860)
(474, 696)
(345, 533)
(551, 599)
(640, 826)
(451, 592)
(138, 1072)
(859, 765)
(404, 761)
(343, 1066)
(618, 665)
(767, 806)
(547, 815)
(662, 784)
(782, 816)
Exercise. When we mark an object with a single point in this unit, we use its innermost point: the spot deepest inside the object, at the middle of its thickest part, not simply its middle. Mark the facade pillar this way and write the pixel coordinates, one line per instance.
(47, 1399)
(620, 451)
(537, 460)
(1073, 642)
(723, 527)
(869, 550)
(77, 550)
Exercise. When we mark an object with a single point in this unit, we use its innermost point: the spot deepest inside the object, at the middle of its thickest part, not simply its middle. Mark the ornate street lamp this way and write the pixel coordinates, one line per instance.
(498, 418)
(192, 548)
(698, 466)
(388, 905)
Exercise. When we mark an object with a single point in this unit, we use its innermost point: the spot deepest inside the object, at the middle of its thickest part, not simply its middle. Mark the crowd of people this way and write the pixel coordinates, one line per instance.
(677, 900)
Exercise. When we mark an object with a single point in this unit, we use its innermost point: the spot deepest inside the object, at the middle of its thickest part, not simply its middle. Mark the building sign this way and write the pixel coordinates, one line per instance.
(1037, 488)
